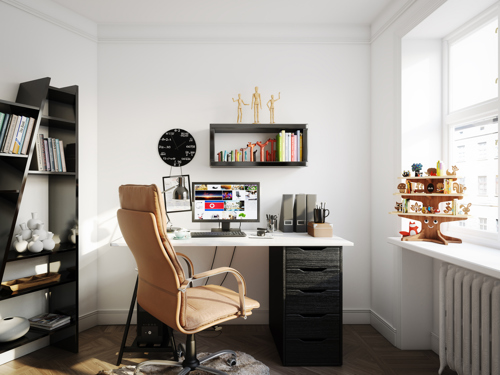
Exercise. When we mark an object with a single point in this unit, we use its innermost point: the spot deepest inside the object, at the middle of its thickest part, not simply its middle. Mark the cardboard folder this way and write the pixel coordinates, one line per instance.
(299, 214)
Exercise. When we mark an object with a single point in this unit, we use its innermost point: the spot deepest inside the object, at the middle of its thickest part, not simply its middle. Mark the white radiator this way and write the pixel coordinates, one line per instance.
(469, 322)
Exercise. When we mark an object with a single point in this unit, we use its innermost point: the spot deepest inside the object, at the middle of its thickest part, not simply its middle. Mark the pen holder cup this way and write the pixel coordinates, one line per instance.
(272, 225)
(320, 214)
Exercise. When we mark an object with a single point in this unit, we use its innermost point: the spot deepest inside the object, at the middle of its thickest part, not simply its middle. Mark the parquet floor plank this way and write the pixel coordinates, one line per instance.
(366, 352)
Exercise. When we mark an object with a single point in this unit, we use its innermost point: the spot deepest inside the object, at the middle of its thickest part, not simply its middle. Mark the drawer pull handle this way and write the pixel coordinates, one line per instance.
(313, 291)
(314, 248)
(312, 315)
(312, 340)
(313, 269)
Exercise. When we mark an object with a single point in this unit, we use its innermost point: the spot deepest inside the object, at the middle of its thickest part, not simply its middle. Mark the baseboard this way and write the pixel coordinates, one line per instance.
(383, 327)
(356, 316)
(87, 321)
(435, 343)
(23, 350)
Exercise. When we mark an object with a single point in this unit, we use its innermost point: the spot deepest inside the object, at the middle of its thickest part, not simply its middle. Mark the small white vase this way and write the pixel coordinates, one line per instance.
(35, 245)
(25, 232)
(13, 327)
(72, 236)
(48, 243)
(33, 221)
(20, 244)
(40, 231)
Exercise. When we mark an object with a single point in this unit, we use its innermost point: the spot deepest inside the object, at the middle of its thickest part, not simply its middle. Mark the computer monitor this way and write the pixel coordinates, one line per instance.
(226, 203)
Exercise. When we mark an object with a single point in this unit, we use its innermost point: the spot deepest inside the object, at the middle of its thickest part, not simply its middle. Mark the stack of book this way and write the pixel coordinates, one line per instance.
(50, 154)
(49, 321)
(15, 133)
(289, 146)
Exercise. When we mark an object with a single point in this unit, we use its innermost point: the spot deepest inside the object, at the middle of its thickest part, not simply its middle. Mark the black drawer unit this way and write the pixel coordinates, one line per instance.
(305, 303)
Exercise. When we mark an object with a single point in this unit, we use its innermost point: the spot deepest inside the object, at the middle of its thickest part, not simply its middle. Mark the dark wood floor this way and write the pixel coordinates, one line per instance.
(366, 352)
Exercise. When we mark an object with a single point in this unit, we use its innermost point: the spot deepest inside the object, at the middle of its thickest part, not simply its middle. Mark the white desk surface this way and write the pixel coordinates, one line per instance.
(279, 239)
(485, 260)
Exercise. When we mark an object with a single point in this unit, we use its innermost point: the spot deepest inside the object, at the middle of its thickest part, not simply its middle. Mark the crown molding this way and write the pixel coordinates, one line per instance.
(235, 33)
(55, 14)
(388, 17)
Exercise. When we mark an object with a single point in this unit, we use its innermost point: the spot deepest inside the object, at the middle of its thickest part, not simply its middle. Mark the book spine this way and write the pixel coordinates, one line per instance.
(2, 118)
(300, 145)
(12, 128)
(28, 137)
(38, 151)
(46, 151)
(282, 145)
(63, 159)
(23, 135)
(19, 135)
(6, 123)
(51, 155)
(292, 148)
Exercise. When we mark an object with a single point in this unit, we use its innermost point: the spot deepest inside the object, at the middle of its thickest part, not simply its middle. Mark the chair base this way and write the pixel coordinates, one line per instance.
(191, 362)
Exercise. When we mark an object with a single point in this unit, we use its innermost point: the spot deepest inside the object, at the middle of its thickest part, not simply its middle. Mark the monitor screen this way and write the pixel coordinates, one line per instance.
(226, 201)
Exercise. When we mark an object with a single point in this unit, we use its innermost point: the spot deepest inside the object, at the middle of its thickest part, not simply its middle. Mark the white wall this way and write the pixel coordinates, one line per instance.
(35, 48)
(148, 88)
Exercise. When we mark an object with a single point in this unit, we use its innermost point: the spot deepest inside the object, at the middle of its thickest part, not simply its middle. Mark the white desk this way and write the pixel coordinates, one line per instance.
(279, 239)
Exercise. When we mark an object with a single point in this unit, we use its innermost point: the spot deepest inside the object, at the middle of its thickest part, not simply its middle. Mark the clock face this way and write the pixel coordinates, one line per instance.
(177, 147)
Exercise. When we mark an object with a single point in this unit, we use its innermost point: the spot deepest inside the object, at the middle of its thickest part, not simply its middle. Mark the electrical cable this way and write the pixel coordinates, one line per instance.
(230, 264)
(212, 266)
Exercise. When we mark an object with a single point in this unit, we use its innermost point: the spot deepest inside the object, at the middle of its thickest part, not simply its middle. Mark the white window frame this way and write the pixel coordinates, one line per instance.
(468, 115)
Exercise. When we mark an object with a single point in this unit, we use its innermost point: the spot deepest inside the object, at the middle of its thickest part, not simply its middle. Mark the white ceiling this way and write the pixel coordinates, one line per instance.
(164, 12)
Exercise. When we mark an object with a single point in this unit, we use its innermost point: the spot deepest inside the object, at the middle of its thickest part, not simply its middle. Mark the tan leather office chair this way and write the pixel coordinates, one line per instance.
(163, 289)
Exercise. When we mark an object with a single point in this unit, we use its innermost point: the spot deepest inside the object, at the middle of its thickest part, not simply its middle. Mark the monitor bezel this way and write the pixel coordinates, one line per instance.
(195, 220)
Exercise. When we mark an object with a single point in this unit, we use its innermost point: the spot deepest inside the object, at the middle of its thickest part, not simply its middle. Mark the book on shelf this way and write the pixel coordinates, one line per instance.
(3, 130)
(49, 155)
(49, 321)
(28, 136)
(10, 133)
(20, 132)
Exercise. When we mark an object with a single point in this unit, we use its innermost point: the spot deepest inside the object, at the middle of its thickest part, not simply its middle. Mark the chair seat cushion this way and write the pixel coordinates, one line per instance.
(209, 303)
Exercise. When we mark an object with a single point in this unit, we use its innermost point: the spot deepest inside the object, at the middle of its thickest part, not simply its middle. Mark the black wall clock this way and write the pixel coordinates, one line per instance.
(177, 147)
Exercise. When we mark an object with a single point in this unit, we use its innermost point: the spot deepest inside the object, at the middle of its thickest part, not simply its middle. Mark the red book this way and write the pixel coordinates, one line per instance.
(294, 149)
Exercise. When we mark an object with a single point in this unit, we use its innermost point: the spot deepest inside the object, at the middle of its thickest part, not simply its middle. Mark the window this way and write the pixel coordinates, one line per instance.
(471, 120)
(483, 223)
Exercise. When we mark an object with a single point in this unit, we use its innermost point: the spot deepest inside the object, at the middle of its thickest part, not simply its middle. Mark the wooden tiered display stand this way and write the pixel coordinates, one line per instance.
(430, 222)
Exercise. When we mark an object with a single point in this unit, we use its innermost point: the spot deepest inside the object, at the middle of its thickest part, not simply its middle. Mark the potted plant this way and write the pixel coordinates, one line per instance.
(416, 167)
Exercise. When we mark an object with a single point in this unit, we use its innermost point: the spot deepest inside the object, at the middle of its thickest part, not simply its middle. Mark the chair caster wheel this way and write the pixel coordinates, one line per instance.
(181, 350)
(232, 361)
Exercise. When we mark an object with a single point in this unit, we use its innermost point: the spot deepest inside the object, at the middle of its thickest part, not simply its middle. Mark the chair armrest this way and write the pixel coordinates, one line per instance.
(242, 286)
(188, 262)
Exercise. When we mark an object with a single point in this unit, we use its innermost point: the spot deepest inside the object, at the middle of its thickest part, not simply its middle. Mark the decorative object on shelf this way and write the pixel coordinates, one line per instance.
(35, 245)
(320, 229)
(416, 167)
(321, 213)
(48, 242)
(459, 188)
(454, 168)
(431, 172)
(412, 230)
(177, 147)
(405, 174)
(240, 112)
(419, 188)
(25, 232)
(448, 208)
(439, 187)
(21, 245)
(430, 188)
(256, 104)
(399, 207)
(416, 207)
(271, 107)
(466, 209)
(273, 150)
(34, 221)
(40, 232)
(439, 168)
(73, 235)
(251, 145)
(31, 281)
(262, 148)
(402, 187)
(13, 328)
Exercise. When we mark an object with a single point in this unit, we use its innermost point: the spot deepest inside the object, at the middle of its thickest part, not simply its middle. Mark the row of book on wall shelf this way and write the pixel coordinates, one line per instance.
(50, 154)
(49, 321)
(15, 133)
(287, 146)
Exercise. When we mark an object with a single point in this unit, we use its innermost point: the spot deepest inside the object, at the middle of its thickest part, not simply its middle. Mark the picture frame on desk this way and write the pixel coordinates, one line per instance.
(177, 193)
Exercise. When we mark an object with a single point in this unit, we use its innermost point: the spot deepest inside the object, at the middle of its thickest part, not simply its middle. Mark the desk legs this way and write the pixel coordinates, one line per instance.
(127, 325)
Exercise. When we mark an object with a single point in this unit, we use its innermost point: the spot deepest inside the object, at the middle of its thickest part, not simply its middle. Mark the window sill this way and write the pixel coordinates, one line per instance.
(482, 259)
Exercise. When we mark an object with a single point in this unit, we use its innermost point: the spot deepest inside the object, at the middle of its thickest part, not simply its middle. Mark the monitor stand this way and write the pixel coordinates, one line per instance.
(226, 227)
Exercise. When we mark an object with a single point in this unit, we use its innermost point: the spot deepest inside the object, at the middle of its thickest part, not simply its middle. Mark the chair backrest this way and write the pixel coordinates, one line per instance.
(143, 225)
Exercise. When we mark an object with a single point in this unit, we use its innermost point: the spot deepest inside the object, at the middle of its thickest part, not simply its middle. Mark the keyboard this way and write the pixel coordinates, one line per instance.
(226, 234)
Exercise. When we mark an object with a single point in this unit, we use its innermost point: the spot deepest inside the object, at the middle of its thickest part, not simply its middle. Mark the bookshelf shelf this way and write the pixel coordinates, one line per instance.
(56, 110)
(273, 129)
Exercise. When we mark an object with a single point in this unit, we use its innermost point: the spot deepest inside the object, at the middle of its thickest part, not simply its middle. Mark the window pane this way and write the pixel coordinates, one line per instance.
(473, 68)
(478, 169)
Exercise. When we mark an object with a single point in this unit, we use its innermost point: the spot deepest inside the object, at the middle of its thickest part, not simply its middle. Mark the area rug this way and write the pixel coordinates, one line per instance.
(245, 365)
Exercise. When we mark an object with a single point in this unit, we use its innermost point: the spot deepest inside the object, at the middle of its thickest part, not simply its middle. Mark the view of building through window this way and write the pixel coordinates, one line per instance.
(478, 168)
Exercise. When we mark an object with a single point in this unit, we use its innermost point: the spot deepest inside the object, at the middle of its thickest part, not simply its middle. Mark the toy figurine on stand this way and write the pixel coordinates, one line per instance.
(417, 167)
(256, 103)
(240, 113)
(271, 107)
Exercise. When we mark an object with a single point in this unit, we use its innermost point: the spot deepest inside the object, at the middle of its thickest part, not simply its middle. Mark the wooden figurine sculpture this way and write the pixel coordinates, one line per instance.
(416, 207)
(251, 145)
(454, 168)
(419, 187)
(271, 107)
(240, 113)
(256, 103)
(273, 151)
(459, 188)
(466, 209)
(262, 147)
(402, 187)
(448, 209)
